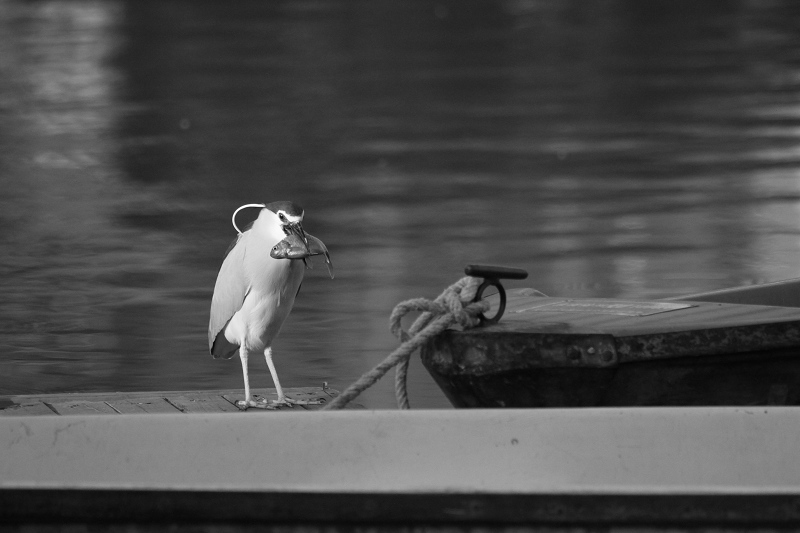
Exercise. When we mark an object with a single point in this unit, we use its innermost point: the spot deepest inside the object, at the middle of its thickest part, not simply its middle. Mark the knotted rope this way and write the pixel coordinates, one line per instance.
(453, 306)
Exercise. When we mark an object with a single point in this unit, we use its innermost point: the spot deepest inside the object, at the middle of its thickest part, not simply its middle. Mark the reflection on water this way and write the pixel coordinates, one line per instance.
(620, 148)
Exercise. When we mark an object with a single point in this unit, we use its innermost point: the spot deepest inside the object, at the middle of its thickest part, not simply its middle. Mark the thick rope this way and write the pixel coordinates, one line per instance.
(453, 306)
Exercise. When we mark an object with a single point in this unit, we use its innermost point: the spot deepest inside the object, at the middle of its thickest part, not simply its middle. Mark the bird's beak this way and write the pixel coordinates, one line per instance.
(298, 230)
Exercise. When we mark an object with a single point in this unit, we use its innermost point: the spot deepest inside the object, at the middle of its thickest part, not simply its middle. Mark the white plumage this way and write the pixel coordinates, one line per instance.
(254, 294)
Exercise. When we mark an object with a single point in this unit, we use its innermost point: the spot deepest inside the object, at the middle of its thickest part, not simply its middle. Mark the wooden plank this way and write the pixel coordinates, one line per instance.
(270, 395)
(149, 405)
(329, 395)
(587, 315)
(309, 394)
(83, 408)
(115, 395)
(297, 393)
(784, 293)
(104, 396)
(150, 402)
(31, 408)
(601, 332)
(201, 403)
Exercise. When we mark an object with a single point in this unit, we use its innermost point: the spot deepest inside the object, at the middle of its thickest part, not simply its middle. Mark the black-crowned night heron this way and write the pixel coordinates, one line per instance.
(255, 290)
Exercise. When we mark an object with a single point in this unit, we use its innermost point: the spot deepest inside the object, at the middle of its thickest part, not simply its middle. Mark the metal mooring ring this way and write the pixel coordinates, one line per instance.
(491, 282)
(491, 278)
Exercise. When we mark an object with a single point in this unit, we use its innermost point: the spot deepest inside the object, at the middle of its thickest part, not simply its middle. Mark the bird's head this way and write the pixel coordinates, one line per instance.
(289, 216)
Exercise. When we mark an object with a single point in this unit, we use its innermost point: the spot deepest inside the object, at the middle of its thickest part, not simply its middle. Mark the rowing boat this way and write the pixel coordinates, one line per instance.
(736, 347)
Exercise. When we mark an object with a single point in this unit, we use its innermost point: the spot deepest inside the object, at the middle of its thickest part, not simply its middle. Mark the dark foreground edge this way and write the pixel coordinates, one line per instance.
(97, 507)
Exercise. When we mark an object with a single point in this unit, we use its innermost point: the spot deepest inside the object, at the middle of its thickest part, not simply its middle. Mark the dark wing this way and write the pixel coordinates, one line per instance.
(229, 294)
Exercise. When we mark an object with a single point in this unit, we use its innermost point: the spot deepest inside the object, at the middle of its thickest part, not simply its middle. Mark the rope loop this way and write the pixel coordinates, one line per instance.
(453, 307)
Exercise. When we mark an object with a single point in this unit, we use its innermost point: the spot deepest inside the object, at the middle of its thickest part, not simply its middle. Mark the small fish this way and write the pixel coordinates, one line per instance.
(293, 247)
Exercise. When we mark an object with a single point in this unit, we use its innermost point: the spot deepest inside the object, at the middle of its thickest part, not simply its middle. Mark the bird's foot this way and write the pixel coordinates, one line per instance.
(291, 402)
(257, 401)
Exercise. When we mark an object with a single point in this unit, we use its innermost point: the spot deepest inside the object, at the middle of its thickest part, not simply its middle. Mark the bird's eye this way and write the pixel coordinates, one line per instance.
(282, 217)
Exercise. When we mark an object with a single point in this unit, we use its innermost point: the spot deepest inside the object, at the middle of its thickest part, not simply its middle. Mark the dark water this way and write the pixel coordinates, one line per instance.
(618, 148)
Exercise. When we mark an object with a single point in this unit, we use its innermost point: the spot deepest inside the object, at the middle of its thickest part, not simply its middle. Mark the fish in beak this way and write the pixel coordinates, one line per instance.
(292, 247)
(296, 247)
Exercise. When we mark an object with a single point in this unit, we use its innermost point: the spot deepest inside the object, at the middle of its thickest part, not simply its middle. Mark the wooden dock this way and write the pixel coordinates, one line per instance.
(154, 402)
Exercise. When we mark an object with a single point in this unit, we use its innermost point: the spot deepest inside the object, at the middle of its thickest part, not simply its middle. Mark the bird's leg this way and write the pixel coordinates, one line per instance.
(248, 398)
(282, 398)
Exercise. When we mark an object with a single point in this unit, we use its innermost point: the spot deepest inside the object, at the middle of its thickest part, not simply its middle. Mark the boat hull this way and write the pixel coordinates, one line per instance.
(557, 352)
(756, 378)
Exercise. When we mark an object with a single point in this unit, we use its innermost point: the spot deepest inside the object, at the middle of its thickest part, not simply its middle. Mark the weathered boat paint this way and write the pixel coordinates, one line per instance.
(561, 352)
